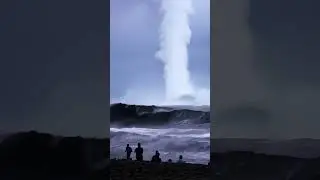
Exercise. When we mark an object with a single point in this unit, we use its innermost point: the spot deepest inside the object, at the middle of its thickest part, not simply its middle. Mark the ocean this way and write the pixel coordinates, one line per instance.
(172, 130)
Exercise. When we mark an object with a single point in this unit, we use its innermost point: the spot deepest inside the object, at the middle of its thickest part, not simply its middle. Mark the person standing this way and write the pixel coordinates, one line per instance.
(128, 151)
(139, 152)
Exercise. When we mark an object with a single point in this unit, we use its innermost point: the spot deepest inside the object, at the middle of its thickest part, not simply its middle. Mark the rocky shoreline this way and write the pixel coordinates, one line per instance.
(123, 169)
(44, 156)
(254, 166)
(41, 155)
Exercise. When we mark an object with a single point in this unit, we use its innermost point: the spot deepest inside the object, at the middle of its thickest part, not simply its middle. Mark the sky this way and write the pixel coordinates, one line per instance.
(265, 69)
(53, 68)
(136, 76)
(54, 64)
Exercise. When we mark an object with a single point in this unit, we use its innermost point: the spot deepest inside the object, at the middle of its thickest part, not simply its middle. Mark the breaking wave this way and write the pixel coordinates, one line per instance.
(171, 130)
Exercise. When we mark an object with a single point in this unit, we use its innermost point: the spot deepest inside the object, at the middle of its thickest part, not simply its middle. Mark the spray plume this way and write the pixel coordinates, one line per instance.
(175, 35)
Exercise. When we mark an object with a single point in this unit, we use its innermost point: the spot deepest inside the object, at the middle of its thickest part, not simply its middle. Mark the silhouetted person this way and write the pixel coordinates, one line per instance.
(128, 151)
(156, 158)
(170, 160)
(180, 159)
(139, 152)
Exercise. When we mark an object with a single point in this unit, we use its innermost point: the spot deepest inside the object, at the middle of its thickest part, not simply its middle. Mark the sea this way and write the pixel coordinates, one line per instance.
(172, 130)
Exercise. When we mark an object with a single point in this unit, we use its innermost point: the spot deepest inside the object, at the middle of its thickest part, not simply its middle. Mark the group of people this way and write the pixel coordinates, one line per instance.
(138, 151)
(139, 155)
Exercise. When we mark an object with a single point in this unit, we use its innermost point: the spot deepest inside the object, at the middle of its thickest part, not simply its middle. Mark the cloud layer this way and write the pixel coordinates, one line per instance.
(265, 73)
(53, 67)
(135, 72)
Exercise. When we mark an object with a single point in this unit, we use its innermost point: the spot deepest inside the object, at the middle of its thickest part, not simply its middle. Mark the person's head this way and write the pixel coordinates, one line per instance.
(139, 145)
(170, 160)
(127, 145)
(180, 157)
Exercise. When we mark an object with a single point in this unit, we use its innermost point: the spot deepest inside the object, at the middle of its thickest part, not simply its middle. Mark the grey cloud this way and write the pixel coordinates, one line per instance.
(53, 67)
(266, 57)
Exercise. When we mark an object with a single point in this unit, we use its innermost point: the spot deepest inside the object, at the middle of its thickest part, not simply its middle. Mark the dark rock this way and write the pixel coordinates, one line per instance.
(39, 154)
(252, 166)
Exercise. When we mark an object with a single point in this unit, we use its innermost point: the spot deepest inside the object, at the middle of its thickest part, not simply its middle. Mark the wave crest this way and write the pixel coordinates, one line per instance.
(123, 114)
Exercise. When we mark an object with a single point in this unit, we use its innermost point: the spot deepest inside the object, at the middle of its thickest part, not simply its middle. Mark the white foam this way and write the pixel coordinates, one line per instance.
(169, 132)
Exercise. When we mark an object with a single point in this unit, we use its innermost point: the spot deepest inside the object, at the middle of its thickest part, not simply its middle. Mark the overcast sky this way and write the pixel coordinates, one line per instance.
(265, 72)
(135, 73)
(53, 67)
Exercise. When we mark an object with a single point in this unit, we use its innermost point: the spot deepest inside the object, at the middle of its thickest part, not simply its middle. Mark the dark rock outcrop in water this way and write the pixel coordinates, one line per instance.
(124, 114)
(32, 154)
